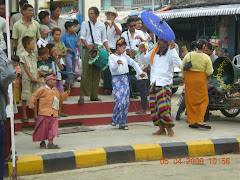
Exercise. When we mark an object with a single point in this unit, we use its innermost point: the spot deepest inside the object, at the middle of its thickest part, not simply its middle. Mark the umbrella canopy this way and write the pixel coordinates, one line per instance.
(158, 26)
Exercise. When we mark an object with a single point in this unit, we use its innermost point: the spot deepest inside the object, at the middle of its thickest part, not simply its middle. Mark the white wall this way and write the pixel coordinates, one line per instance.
(91, 3)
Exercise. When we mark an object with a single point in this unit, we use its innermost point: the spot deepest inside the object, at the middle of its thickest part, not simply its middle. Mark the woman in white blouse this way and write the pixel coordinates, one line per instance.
(118, 65)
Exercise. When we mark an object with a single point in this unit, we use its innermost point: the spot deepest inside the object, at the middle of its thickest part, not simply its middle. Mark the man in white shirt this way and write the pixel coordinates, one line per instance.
(162, 61)
(3, 32)
(114, 30)
(19, 15)
(132, 36)
(91, 79)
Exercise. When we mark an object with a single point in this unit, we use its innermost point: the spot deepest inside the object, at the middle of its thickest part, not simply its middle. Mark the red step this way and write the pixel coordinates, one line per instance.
(85, 109)
(75, 91)
(91, 121)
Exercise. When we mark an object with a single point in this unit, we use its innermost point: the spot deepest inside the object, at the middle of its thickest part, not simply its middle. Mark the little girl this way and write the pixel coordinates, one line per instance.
(47, 121)
(118, 65)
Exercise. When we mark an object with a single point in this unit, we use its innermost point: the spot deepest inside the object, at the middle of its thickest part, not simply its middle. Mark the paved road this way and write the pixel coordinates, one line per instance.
(211, 167)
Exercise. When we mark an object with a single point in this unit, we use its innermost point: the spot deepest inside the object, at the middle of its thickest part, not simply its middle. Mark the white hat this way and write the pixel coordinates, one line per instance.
(111, 10)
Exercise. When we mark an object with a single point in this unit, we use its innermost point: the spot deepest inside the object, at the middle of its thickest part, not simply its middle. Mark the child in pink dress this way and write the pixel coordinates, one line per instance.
(47, 121)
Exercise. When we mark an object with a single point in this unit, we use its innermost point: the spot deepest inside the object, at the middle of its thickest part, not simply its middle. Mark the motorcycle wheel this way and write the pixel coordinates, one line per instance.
(174, 90)
(181, 109)
(230, 112)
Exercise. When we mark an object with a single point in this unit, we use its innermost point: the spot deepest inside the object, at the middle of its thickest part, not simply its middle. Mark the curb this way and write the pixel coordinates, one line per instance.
(121, 154)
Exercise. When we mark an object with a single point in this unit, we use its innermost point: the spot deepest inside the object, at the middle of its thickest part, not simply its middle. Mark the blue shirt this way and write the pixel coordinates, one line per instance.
(71, 42)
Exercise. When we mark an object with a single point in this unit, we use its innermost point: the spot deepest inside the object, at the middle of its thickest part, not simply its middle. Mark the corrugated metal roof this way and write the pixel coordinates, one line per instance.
(230, 9)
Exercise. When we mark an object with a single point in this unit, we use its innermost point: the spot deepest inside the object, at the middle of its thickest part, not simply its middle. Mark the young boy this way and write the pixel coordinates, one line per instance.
(16, 83)
(42, 42)
(70, 41)
(60, 46)
(44, 20)
(30, 76)
(57, 65)
(43, 66)
(47, 122)
(139, 81)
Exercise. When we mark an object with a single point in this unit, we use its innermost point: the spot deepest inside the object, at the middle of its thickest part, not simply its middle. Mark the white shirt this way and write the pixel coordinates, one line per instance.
(98, 31)
(118, 69)
(142, 64)
(112, 35)
(2, 30)
(56, 69)
(133, 42)
(163, 66)
(42, 43)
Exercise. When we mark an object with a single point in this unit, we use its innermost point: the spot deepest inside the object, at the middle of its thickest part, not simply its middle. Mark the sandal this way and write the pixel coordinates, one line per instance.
(204, 126)
(113, 123)
(25, 120)
(125, 127)
(81, 101)
(53, 146)
(193, 126)
(43, 145)
(63, 115)
(96, 99)
(141, 112)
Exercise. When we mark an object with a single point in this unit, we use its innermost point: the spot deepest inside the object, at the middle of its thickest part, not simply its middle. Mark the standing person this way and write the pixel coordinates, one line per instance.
(132, 36)
(139, 24)
(2, 9)
(56, 21)
(47, 122)
(43, 66)
(195, 78)
(114, 30)
(162, 61)
(139, 81)
(18, 16)
(30, 75)
(17, 81)
(57, 65)
(118, 64)
(71, 43)
(42, 41)
(3, 31)
(60, 46)
(90, 83)
(7, 75)
(44, 20)
(211, 53)
(27, 26)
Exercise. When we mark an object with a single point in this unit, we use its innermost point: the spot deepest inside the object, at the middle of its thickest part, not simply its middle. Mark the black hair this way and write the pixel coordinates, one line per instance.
(75, 22)
(138, 19)
(48, 74)
(205, 38)
(50, 46)
(95, 9)
(210, 46)
(130, 20)
(15, 58)
(53, 7)
(26, 6)
(2, 2)
(201, 42)
(122, 44)
(22, 2)
(42, 15)
(68, 24)
(193, 45)
(26, 40)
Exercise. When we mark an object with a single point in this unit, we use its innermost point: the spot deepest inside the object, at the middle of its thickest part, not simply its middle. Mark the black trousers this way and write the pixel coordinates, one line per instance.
(107, 78)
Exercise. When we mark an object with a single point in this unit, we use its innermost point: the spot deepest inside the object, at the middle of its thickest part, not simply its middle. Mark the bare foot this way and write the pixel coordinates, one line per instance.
(159, 132)
(170, 132)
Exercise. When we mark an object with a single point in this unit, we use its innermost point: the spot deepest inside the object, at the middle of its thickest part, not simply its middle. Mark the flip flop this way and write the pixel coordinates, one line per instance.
(204, 126)
(96, 99)
(53, 146)
(25, 120)
(81, 101)
(193, 126)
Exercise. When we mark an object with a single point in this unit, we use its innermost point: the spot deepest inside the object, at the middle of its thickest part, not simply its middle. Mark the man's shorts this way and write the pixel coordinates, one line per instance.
(28, 88)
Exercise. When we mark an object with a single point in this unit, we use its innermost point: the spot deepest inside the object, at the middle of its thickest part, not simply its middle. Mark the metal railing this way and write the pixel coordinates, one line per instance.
(117, 3)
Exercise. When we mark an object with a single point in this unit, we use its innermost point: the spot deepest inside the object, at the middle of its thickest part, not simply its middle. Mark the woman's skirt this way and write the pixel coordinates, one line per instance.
(46, 128)
(196, 95)
(120, 86)
(160, 105)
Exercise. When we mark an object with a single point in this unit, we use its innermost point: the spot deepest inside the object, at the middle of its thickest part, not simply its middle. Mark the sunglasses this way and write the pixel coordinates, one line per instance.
(132, 26)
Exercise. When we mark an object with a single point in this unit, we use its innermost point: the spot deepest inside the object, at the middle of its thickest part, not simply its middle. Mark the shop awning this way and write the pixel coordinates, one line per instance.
(230, 9)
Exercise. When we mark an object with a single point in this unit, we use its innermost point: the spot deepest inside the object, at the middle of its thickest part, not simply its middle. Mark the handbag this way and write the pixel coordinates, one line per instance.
(188, 65)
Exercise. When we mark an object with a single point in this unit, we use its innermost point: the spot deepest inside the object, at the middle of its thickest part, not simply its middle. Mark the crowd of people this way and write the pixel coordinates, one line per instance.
(49, 46)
